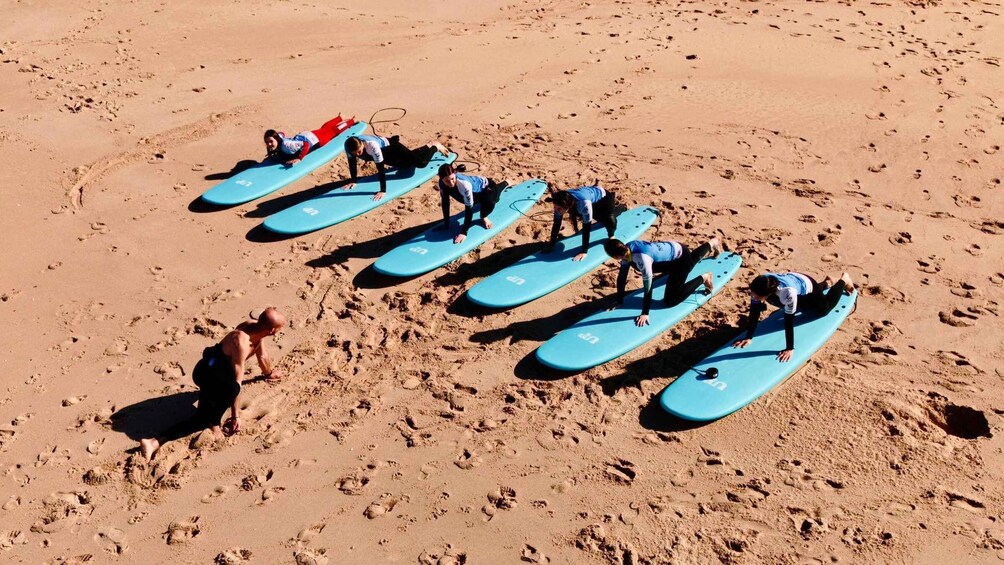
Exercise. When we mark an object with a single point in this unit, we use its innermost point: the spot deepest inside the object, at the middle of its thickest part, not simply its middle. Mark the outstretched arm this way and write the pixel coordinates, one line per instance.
(622, 276)
(382, 173)
(352, 167)
(556, 227)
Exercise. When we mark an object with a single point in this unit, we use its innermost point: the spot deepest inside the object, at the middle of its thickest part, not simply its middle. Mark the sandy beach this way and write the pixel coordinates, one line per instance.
(414, 427)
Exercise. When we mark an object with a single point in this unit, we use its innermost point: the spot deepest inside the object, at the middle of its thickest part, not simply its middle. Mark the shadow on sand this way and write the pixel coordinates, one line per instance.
(148, 417)
(370, 249)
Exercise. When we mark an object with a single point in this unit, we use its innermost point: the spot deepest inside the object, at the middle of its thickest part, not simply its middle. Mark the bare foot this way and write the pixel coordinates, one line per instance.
(150, 447)
(716, 247)
(442, 150)
(848, 283)
(488, 224)
(709, 282)
(827, 282)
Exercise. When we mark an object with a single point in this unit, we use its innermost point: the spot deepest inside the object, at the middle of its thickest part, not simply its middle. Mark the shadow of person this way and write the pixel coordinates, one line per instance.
(370, 249)
(672, 361)
(238, 167)
(268, 207)
(148, 417)
(487, 266)
(542, 329)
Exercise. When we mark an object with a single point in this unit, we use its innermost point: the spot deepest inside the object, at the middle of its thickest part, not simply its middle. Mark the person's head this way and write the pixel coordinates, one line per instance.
(762, 287)
(448, 175)
(354, 146)
(562, 200)
(616, 249)
(272, 141)
(270, 321)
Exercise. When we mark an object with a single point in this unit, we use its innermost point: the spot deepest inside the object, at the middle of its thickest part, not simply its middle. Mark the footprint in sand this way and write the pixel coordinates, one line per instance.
(233, 556)
(12, 538)
(183, 531)
(902, 238)
(447, 556)
(112, 540)
(218, 493)
(306, 535)
(957, 318)
(531, 554)
(829, 236)
(383, 505)
(620, 471)
(95, 446)
(270, 494)
(308, 556)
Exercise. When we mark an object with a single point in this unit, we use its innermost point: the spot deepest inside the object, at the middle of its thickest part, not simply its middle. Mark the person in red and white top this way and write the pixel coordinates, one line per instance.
(291, 150)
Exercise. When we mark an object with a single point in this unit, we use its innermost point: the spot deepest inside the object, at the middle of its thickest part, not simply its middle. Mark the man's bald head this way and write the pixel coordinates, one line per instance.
(271, 320)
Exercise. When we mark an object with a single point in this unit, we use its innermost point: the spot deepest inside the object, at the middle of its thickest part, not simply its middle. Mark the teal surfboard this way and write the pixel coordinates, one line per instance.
(743, 375)
(269, 176)
(544, 272)
(337, 205)
(607, 335)
(435, 247)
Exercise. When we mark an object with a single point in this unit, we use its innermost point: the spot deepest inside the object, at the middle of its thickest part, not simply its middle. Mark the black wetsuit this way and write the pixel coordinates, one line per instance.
(820, 301)
(218, 388)
(677, 287)
(394, 155)
(486, 200)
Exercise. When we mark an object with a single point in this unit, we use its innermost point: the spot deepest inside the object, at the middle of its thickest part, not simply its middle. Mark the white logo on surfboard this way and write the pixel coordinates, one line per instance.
(311, 211)
(419, 250)
(515, 280)
(243, 182)
(714, 383)
(586, 336)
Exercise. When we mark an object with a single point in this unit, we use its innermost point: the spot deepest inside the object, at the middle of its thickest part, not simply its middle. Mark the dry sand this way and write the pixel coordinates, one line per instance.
(859, 136)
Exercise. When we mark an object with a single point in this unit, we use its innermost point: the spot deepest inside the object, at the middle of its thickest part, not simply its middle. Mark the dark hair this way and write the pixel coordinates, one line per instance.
(563, 198)
(446, 170)
(352, 144)
(763, 285)
(615, 248)
(271, 133)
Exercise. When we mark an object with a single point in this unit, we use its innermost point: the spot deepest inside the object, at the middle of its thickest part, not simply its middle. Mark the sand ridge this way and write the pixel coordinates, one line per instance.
(413, 427)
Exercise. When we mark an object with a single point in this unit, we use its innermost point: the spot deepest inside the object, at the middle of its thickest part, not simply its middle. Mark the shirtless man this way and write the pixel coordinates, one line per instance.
(218, 375)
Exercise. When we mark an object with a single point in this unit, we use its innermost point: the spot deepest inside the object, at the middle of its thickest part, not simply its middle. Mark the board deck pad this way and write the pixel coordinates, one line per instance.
(435, 248)
(747, 374)
(607, 335)
(544, 272)
(269, 176)
(338, 205)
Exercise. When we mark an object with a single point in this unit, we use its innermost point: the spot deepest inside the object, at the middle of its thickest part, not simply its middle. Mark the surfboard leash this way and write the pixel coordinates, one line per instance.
(372, 124)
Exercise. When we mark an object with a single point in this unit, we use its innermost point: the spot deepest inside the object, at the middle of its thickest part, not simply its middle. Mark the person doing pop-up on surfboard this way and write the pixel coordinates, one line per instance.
(791, 290)
(386, 152)
(586, 202)
(468, 190)
(661, 257)
(290, 150)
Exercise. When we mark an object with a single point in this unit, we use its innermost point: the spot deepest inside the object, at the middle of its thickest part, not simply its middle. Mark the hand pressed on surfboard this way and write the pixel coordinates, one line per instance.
(579, 257)
(741, 343)
(785, 355)
(641, 320)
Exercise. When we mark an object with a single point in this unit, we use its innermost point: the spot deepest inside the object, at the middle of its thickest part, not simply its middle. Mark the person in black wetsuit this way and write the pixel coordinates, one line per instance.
(789, 291)
(468, 190)
(218, 375)
(588, 203)
(661, 257)
(386, 152)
